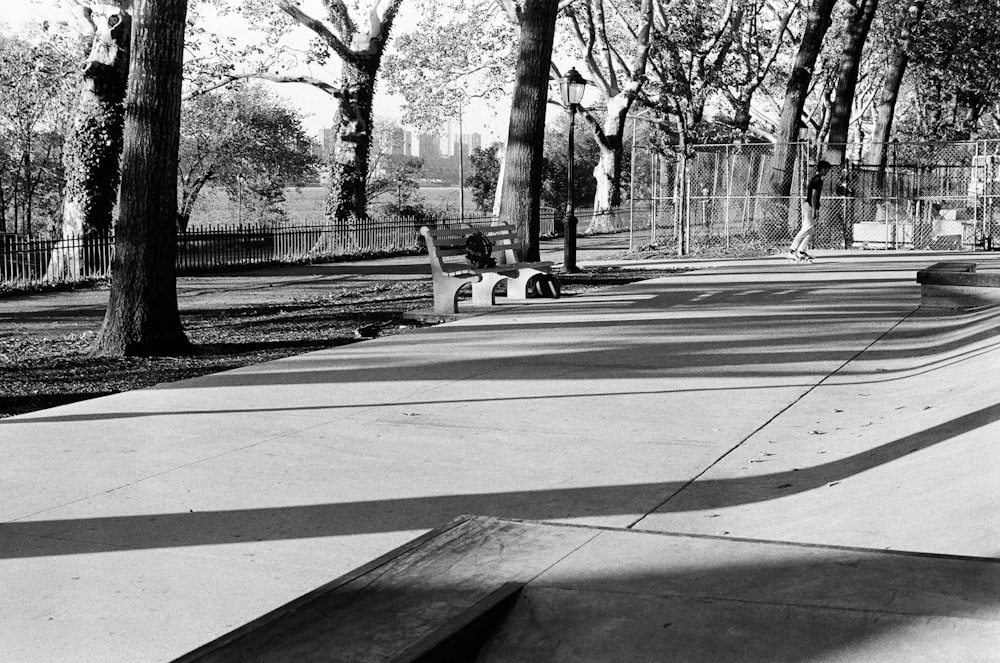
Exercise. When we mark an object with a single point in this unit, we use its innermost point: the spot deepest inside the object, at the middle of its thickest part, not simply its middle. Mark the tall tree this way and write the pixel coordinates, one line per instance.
(245, 139)
(755, 52)
(692, 46)
(142, 316)
(907, 22)
(94, 142)
(360, 51)
(796, 92)
(522, 171)
(359, 45)
(483, 180)
(618, 80)
(859, 21)
(37, 78)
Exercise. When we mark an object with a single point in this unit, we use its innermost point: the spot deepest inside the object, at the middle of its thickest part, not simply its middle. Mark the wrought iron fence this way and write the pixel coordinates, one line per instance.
(26, 261)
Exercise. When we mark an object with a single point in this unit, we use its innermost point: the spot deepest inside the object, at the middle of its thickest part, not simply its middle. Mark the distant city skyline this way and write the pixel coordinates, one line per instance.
(413, 143)
(439, 153)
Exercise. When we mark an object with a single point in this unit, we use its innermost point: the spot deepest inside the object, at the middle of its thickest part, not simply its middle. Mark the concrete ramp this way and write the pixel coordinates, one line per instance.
(486, 589)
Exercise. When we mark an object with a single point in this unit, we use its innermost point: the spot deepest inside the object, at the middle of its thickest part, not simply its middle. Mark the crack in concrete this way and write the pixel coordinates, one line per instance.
(780, 412)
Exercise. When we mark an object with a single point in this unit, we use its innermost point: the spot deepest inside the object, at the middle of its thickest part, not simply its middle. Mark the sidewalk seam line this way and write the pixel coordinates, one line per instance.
(780, 412)
(575, 550)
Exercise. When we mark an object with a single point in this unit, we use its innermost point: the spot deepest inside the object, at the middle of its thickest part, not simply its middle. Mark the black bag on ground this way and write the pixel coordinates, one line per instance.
(544, 285)
(479, 251)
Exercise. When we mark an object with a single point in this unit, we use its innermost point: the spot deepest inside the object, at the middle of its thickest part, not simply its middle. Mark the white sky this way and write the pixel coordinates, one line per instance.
(317, 107)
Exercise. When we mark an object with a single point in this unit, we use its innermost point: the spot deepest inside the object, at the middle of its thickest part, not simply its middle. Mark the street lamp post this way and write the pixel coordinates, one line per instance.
(572, 86)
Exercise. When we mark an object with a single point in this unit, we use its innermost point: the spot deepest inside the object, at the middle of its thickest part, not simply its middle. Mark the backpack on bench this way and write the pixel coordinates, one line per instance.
(479, 251)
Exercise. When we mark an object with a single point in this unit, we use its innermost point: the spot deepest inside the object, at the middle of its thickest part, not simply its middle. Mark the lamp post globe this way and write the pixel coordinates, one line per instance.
(572, 86)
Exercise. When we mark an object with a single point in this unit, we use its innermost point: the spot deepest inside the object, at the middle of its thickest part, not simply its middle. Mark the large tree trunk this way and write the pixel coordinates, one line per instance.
(142, 316)
(847, 79)
(608, 171)
(590, 29)
(783, 160)
(348, 197)
(94, 144)
(522, 186)
(890, 90)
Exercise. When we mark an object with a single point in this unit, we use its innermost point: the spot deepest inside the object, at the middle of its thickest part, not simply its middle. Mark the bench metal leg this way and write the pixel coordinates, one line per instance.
(483, 292)
(446, 293)
(517, 288)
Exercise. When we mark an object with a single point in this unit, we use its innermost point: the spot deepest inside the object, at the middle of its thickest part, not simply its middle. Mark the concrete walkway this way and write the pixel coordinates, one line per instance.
(814, 404)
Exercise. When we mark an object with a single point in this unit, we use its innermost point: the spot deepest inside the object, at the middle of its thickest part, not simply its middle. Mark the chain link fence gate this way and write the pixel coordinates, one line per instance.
(728, 198)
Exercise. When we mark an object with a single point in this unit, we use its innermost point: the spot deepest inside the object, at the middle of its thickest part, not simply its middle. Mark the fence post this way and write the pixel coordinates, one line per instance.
(682, 201)
(654, 181)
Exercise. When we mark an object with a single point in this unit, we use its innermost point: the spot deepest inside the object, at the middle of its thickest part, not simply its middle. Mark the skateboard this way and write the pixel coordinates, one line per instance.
(799, 258)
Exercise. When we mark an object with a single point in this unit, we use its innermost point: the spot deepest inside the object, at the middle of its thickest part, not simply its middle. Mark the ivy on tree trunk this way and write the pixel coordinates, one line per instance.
(353, 123)
(94, 142)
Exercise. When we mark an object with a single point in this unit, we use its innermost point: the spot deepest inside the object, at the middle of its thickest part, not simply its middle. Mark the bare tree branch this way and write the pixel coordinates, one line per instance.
(600, 24)
(335, 43)
(642, 39)
(721, 31)
(729, 29)
(229, 79)
(380, 25)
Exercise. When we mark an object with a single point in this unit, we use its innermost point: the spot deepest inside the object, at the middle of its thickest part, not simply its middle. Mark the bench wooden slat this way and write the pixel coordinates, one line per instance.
(460, 250)
(451, 240)
(464, 231)
(500, 244)
(452, 236)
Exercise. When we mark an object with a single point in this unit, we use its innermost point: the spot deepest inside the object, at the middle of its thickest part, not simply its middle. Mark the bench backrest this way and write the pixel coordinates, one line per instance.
(446, 246)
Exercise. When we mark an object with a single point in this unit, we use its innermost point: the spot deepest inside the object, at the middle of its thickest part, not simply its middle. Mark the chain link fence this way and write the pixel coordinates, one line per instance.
(746, 198)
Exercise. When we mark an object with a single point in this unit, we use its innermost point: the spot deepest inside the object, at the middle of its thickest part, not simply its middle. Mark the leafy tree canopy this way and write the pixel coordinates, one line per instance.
(247, 140)
(457, 51)
(956, 67)
(483, 180)
(38, 79)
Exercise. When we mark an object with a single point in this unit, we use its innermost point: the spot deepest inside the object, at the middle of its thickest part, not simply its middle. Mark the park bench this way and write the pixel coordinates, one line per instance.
(450, 270)
(957, 285)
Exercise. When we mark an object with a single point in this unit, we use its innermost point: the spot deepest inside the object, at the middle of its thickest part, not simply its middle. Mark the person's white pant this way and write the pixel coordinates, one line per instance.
(803, 239)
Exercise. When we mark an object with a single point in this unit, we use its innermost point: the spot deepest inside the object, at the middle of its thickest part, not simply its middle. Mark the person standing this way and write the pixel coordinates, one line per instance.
(810, 212)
